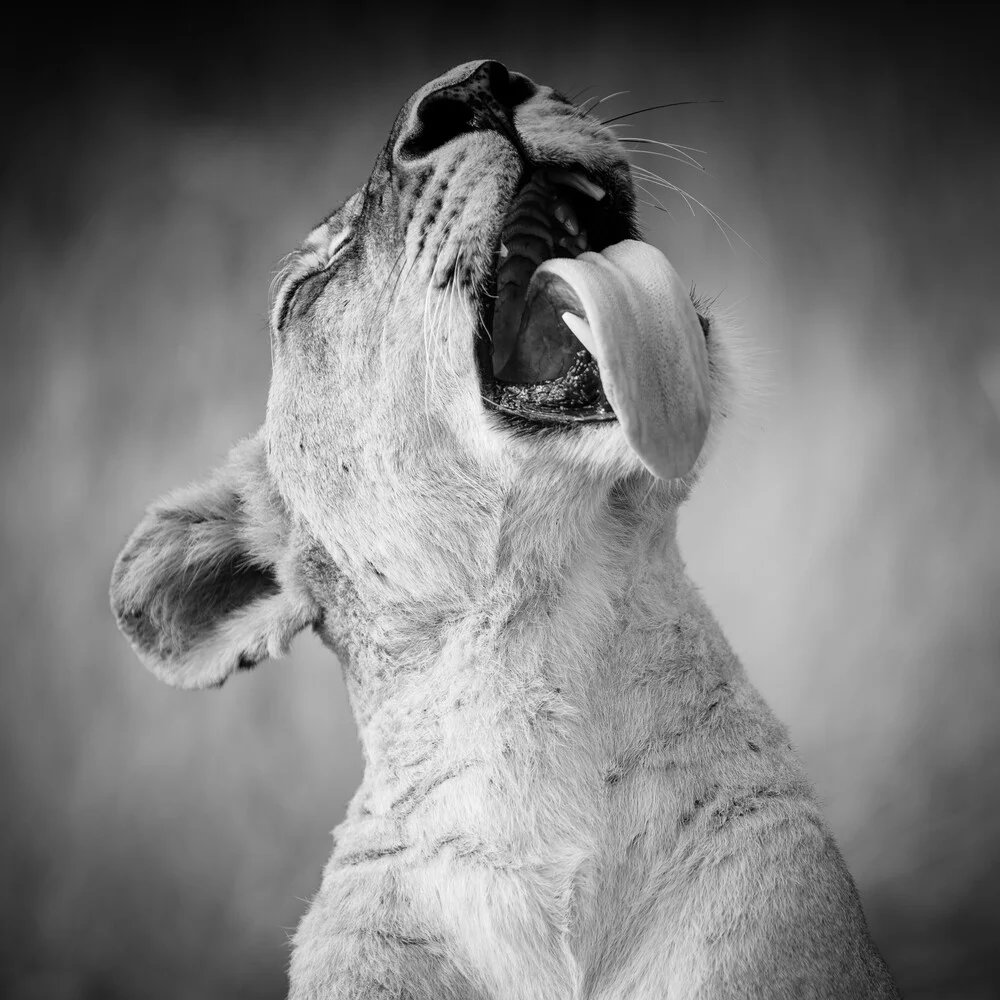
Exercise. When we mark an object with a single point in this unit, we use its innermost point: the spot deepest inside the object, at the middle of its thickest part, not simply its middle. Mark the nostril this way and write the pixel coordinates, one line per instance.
(485, 99)
(509, 89)
(498, 78)
(519, 90)
(440, 118)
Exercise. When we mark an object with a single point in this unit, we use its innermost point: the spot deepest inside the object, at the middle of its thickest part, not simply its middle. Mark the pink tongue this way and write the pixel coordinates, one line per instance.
(642, 329)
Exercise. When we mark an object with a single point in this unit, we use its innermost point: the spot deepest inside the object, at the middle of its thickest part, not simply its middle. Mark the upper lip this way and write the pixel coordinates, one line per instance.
(578, 180)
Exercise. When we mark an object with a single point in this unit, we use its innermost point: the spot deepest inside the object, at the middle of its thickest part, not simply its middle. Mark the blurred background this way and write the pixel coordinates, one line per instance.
(162, 844)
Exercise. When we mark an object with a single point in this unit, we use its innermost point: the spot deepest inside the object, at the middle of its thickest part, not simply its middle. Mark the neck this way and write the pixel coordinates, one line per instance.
(514, 737)
(563, 602)
(522, 736)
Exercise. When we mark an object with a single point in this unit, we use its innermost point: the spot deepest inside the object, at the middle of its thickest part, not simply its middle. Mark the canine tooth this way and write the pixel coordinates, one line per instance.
(580, 329)
(503, 251)
(576, 180)
(565, 214)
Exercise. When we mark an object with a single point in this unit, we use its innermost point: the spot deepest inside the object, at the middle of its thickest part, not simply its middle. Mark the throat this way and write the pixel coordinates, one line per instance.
(519, 663)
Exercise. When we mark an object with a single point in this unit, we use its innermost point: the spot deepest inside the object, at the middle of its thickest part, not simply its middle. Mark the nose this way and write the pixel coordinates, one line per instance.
(483, 99)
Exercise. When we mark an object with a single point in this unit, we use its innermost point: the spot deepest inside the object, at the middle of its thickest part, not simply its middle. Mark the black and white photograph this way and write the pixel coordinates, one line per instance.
(500, 503)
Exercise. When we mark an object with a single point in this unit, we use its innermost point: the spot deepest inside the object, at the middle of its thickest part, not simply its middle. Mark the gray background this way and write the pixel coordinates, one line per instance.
(161, 844)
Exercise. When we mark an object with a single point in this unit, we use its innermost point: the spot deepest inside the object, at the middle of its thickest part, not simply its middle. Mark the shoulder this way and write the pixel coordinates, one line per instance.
(770, 909)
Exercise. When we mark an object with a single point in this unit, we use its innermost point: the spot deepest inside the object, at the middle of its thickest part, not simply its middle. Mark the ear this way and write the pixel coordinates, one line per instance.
(206, 584)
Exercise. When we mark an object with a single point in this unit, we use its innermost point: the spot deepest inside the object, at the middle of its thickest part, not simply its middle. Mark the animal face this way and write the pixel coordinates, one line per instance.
(468, 355)
(420, 357)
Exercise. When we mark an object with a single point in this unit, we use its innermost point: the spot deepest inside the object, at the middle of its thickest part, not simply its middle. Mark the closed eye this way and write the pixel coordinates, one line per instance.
(314, 259)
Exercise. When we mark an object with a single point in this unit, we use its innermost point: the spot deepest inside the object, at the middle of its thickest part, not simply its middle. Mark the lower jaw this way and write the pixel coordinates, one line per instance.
(574, 398)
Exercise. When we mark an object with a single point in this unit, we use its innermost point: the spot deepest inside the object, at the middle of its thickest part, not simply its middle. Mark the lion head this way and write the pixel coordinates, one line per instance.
(478, 370)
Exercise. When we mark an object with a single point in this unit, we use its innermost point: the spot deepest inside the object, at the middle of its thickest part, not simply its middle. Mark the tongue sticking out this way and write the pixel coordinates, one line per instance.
(629, 308)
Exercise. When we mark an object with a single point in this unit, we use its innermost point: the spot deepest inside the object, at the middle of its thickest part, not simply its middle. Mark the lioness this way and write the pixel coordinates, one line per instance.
(489, 400)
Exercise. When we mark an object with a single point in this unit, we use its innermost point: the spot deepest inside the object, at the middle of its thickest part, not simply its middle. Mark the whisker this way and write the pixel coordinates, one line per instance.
(659, 208)
(584, 113)
(691, 201)
(617, 93)
(649, 492)
(659, 204)
(283, 267)
(648, 204)
(658, 107)
(426, 338)
(656, 179)
(391, 303)
(684, 151)
(449, 319)
(480, 320)
(270, 340)
(454, 296)
(669, 156)
(577, 94)
(378, 301)
(436, 337)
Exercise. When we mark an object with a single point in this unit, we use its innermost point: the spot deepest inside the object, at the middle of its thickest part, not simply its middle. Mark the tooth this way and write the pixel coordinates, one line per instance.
(580, 329)
(527, 212)
(576, 180)
(503, 251)
(528, 227)
(567, 217)
(535, 195)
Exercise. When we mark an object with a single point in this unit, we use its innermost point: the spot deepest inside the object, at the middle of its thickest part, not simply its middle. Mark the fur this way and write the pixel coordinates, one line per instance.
(571, 789)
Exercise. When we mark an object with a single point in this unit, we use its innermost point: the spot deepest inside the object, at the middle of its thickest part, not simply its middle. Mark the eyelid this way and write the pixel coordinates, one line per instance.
(338, 242)
(306, 265)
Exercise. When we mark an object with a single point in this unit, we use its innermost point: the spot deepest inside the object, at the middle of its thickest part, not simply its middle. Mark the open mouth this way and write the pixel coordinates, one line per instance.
(531, 365)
